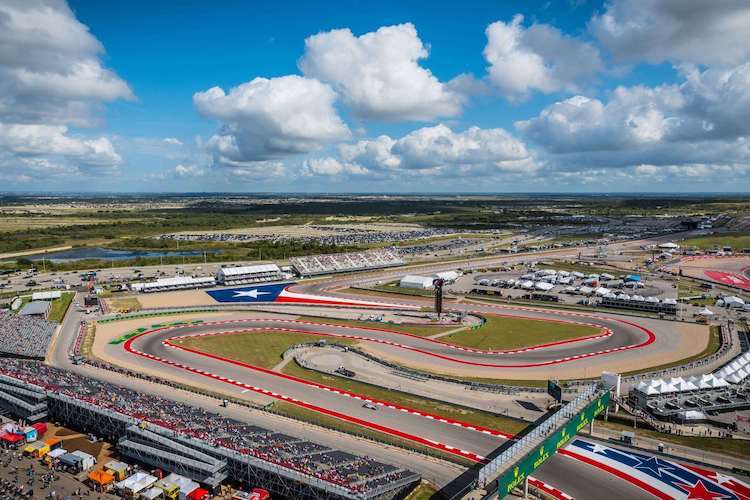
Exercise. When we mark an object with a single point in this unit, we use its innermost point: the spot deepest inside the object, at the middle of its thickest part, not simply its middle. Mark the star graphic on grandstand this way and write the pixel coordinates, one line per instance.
(698, 491)
(250, 293)
(721, 478)
(598, 448)
(654, 465)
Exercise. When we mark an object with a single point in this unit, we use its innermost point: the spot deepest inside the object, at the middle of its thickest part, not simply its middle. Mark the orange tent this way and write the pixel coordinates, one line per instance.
(101, 478)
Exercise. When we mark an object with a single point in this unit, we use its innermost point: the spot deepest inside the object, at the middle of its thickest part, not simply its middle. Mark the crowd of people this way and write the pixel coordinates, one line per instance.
(359, 474)
(26, 336)
(340, 262)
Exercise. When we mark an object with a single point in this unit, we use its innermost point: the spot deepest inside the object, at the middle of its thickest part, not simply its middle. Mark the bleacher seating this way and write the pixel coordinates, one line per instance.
(27, 336)
(356, 473)
(342, 262)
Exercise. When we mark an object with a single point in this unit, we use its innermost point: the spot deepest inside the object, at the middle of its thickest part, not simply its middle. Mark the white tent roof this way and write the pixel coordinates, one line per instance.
(706, 312)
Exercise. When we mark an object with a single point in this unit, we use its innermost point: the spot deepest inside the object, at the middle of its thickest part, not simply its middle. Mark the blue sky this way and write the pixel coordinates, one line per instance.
(577, 96)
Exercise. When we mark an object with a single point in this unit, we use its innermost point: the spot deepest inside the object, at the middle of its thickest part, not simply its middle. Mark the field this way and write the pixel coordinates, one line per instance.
(421, 330)
(259, 348)
(737, 241)
(512, 333)
(264, 349)
(129, 304)
(470, 415)
(18, 223)
(59, 307)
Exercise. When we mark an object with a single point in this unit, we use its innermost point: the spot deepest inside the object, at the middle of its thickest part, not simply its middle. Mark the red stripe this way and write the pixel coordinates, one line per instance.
(616, 472)
(325, 411)
(326, 387)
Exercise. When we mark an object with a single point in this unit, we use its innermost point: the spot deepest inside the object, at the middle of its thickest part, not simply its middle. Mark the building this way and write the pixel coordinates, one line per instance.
(172, 284)
(46, 295)
(415, 281)
(247, 275)
(448, 276)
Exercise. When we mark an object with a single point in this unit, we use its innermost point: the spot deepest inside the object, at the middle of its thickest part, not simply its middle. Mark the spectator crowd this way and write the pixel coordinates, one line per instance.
(26, 336)
(356, 473)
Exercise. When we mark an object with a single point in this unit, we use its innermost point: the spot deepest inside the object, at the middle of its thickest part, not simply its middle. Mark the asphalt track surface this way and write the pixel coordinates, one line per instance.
(158, 347)
(154, 351)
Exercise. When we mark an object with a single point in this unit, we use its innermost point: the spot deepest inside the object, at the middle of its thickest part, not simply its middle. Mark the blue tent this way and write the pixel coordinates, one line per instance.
(632, 277)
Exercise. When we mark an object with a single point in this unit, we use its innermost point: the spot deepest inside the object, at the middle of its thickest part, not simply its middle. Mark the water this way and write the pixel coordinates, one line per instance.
(106, 254)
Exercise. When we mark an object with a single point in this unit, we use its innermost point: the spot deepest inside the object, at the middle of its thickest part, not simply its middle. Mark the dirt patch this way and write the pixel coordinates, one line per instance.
(62, 432)
(184, 298)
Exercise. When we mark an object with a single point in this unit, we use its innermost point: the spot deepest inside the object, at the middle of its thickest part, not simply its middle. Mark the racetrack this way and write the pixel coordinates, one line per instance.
(622, 338)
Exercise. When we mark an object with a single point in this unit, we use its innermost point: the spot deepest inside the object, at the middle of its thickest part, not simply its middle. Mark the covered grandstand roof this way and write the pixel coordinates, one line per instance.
(46, 295)
(174, 283)
(242, 270)
(35, 308)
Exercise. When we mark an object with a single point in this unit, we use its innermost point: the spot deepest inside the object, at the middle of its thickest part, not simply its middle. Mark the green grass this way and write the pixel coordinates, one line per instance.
(298, 413)
(425, 491)
(457, 412)
(734, 447)
(514, 333)
(259, 348)
(421, 330)
(714, 343)
(737, 241)
(60, 306)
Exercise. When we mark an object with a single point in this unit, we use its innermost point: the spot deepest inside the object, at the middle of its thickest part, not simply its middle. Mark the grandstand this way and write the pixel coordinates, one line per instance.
(247, 275)
(25, 336)
(342, 262)
(725, 389)
(193, 442)
(172, 284)
(640, 303)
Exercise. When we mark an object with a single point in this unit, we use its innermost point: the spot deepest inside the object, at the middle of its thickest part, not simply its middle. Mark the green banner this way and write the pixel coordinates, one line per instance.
(516, 476)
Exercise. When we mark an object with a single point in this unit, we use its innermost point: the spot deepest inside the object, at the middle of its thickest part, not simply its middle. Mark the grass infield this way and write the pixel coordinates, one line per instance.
(514, 333)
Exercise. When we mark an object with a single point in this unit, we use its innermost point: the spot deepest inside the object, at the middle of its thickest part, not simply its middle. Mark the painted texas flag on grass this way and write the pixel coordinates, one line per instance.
(280, 293)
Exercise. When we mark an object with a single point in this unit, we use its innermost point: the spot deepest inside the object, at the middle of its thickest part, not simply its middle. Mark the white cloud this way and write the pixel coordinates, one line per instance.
(536, 58)
(371, 153)
(189, 171)
(684, 130)
(52, 141)
(379, 75)
(696, 31)
(331, 167)
(51, 78)
(173, 141)
(708, 105)
(269, 118)
(49, 65)
(429, 151)
(439, 145)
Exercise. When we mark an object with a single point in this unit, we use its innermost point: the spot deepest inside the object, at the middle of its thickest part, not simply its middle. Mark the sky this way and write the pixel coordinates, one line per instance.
(358, 96)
